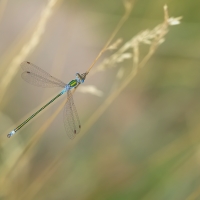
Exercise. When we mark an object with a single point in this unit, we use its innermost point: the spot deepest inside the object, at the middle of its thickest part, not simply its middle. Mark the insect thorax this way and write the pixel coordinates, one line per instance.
(73, 83)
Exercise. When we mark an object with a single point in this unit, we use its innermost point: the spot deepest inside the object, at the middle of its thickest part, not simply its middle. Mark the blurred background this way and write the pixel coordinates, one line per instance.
(146, 145)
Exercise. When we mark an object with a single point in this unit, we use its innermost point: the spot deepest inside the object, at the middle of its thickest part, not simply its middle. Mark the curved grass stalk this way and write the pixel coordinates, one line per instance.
(35, 186)
(2, 8)
(56, 163)
(128, 7)
(195, 195)
(26, 153)
(27, 48)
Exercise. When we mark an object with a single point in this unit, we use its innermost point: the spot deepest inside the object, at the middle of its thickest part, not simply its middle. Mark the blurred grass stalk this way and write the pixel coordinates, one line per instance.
(15, 63)
(128, 4)
(153, 38)
(27, 48)
(2, 8)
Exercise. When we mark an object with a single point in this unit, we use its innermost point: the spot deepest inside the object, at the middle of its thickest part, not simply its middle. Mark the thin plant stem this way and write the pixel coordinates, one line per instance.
(114, 95)
(27, 48)
(58, 160)
(195, 194)
(26, 152)
(118, 27)
(2, 7)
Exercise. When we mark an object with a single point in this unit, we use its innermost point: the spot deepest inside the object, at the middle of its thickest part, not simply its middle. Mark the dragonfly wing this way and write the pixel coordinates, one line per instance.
(36, 76)
(71, 119)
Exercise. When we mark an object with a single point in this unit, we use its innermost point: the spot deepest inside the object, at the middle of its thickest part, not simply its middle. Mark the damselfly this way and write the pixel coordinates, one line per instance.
(38, 77)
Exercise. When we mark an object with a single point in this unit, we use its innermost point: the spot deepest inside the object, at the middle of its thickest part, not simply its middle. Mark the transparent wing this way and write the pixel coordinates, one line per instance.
(71, 119)
(38, 77)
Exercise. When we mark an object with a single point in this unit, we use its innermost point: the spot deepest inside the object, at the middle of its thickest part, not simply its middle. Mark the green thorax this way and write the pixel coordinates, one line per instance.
(73, 83)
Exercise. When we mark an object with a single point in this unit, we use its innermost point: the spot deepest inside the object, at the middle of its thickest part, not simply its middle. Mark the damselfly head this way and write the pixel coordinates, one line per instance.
(80, 77)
